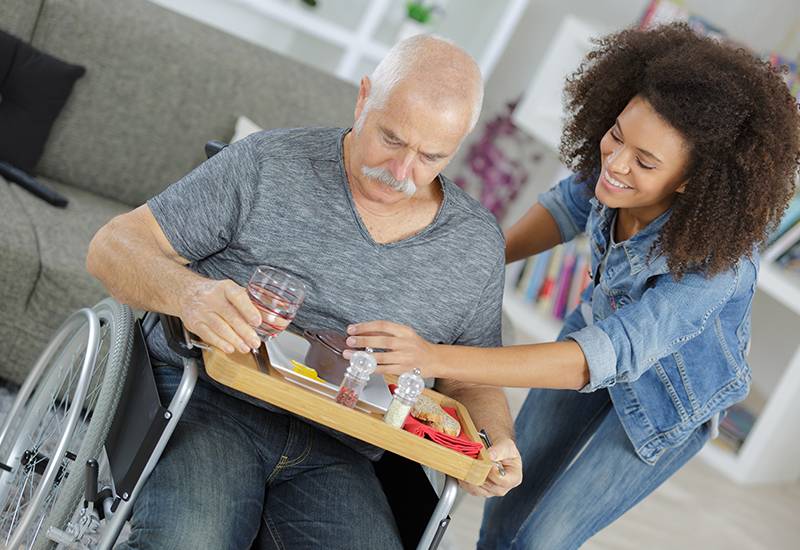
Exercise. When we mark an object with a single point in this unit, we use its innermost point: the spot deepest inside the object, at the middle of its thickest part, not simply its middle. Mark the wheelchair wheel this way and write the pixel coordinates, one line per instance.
(59, 420)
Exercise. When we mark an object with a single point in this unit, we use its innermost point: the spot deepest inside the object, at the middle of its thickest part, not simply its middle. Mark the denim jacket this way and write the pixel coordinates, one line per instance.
(672, 353)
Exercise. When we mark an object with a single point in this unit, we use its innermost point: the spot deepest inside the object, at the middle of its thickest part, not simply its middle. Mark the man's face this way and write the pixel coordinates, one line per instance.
(406, 143)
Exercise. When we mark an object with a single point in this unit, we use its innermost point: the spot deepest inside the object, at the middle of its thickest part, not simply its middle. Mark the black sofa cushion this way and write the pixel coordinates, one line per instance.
(34, 86)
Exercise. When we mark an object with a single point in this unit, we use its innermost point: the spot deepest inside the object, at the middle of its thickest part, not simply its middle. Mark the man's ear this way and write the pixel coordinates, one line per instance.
(363, 93)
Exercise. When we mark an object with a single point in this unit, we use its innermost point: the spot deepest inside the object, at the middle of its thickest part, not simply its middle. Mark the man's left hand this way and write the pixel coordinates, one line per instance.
(505, 452)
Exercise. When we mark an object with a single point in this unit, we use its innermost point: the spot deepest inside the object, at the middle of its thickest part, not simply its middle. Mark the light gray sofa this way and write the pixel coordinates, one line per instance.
(158, 86)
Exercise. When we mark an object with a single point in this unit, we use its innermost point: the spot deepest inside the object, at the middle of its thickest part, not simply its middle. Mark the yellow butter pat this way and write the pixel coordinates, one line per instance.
(303, 370)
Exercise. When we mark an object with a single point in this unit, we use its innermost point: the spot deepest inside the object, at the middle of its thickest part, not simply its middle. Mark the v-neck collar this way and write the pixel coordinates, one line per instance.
(360, 222)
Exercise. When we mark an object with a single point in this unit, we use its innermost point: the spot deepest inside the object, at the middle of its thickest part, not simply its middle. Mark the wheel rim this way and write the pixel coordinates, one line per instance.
(55, 423)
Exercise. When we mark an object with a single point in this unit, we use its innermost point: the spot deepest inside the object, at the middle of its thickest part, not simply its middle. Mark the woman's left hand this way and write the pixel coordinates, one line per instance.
(405, 350)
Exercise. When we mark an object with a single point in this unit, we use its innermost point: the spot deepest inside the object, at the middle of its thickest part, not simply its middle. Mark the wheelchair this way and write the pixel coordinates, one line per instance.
(91, 401)
(87, 428)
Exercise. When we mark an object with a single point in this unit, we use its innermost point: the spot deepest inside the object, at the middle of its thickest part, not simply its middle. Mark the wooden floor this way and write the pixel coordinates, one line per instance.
(696, 509)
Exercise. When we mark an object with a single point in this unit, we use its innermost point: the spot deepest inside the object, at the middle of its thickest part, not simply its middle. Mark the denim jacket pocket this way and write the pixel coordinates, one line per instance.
(671, 390)
(683, 373)
(676, 380)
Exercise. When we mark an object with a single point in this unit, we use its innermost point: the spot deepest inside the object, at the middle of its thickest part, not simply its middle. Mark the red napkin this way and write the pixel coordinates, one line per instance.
(462, 443)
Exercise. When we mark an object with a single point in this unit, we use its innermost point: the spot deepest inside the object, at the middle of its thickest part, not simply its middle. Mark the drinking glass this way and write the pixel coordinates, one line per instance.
(277, 295)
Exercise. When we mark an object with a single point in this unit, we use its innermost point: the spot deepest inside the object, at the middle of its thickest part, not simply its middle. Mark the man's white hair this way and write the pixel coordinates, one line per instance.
(395, 66)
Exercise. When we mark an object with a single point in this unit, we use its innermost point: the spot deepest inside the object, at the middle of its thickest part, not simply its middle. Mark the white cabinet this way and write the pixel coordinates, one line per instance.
(349, 37)
(771, 451)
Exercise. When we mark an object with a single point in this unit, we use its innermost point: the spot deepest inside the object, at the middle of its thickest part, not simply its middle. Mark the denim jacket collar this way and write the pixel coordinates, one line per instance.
(637, 248)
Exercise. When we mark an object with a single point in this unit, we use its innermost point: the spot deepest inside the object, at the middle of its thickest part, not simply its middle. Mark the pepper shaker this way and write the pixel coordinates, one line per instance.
(362, 365)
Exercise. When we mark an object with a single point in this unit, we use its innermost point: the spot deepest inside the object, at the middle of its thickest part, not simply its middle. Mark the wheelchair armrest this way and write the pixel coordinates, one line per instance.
(213, 147)
(177, 337)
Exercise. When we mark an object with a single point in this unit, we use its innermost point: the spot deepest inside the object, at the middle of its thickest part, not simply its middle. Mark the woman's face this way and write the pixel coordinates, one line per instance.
(644, 161)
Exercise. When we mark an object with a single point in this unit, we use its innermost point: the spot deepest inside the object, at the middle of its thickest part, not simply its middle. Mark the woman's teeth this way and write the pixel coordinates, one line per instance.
(615, 183)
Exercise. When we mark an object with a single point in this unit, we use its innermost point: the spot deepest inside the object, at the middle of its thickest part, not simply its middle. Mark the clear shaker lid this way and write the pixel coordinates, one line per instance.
(362, 365)
(410, 384)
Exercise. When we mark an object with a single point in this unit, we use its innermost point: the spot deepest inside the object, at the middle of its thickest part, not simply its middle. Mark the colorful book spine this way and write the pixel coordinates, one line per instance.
(525, 275)
(514, 271)
(547, 293)
(564, 280)
(538, 275)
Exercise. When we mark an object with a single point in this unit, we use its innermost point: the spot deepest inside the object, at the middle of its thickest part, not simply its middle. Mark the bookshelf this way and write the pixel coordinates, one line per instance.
(349, 37)
(771, 451)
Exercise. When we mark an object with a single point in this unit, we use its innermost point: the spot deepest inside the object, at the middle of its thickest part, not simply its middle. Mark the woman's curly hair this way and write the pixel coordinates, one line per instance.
(737, 115)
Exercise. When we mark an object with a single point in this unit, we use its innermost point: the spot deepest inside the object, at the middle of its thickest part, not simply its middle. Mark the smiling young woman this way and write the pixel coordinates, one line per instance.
(684, 152)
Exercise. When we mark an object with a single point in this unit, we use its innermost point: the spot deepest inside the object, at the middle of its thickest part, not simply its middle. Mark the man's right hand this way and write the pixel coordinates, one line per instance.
(220, 312)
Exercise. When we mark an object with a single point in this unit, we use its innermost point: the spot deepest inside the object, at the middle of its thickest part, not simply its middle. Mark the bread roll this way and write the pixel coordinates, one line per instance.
(427, 410)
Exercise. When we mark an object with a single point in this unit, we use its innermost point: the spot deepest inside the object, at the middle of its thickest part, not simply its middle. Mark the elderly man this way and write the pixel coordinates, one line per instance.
(366, 217)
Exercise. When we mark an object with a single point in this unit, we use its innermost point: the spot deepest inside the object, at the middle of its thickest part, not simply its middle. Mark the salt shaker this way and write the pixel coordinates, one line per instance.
(409, 386)
(362, 365)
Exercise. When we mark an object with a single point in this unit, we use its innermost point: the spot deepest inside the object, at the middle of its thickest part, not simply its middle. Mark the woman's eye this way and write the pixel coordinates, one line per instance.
(391, 142)
(430, 159)
(616, 137)
(643, 165)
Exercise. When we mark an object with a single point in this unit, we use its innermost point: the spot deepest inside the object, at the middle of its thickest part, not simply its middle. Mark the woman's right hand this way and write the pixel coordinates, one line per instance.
(404, 348)
(221, 314)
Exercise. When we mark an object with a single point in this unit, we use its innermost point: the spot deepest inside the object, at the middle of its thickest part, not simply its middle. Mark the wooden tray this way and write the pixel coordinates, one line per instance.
(240, 371)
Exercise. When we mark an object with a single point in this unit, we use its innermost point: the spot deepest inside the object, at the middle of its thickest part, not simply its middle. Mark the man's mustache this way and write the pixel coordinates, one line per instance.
(406, 186)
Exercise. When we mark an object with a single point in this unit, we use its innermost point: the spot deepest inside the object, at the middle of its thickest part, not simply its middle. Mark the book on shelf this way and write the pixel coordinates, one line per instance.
(734, 427)
(538, 274)
(514, 271)
(566, 272)
(547, 293)
(790, 260)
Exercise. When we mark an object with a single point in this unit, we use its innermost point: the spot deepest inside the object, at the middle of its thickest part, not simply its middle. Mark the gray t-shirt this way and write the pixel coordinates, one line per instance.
(281, 198)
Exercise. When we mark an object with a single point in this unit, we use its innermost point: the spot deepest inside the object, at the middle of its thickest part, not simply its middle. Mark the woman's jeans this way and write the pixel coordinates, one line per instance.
(237, 476)
(564, 500)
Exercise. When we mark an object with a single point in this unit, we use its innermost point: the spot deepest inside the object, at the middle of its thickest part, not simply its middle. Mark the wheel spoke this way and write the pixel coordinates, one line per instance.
(42, 438)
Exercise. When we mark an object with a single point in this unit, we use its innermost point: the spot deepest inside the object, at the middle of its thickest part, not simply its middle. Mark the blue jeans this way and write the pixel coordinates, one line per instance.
(561, 503)
(237, 476)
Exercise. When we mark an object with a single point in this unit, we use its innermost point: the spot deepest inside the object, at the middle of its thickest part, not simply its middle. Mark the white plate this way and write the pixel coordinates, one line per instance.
(288, 346)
